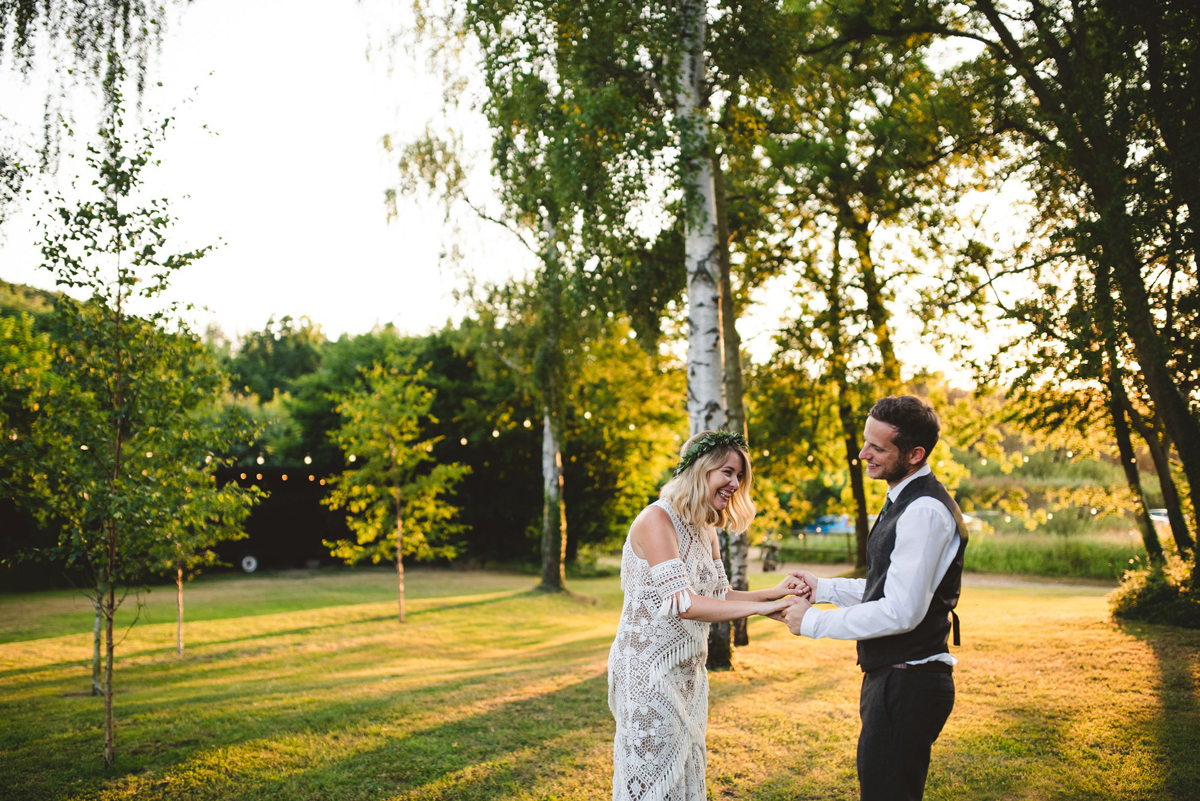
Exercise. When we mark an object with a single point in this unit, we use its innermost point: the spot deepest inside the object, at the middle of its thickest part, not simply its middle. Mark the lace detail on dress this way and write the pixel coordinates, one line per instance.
(722, 579)
(657, 684)
(672, 583)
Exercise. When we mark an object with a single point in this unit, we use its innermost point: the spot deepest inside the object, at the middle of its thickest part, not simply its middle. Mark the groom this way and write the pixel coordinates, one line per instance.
(901, 613)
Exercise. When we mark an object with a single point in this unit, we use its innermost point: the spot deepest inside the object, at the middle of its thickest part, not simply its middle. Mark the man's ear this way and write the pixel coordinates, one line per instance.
(916, 455)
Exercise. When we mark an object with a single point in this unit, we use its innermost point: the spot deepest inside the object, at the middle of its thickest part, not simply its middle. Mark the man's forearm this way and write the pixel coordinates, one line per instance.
(841, 592)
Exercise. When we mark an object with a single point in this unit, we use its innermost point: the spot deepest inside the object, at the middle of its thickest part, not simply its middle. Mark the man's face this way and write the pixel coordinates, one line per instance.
(881, 456)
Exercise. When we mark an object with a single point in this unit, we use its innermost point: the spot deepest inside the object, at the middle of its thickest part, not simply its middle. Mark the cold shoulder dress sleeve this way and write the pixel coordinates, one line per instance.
(657, 683)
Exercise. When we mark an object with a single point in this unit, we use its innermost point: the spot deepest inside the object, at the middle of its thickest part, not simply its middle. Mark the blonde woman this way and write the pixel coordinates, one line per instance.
(675, 585)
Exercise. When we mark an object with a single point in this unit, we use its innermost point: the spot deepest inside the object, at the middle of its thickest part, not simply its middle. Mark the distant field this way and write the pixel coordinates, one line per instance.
(303, 686)
(1093, 556)
(1102, 556)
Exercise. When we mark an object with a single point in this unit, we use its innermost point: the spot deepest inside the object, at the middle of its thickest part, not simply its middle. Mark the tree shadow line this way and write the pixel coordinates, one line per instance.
(1176, 726)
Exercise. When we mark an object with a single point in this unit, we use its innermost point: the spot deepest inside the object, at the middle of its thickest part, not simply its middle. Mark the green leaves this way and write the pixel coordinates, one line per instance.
(397, 499)
(115, 413)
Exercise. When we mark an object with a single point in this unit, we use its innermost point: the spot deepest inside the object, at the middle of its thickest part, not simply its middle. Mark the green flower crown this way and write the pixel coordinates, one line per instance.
(706, 443)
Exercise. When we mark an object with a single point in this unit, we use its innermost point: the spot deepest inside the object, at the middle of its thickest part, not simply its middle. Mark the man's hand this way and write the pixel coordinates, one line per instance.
(794, 614)
(802, 583)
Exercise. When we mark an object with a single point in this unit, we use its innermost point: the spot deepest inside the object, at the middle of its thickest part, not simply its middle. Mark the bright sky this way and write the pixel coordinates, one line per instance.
(276, 152)
(289, 174)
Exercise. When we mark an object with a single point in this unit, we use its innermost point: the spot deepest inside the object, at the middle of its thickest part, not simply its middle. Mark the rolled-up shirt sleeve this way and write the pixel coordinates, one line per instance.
(926, 543)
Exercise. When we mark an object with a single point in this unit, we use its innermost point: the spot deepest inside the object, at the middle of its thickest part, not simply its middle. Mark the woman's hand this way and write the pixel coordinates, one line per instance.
(777, 607)
(793, 584)
(803, 584)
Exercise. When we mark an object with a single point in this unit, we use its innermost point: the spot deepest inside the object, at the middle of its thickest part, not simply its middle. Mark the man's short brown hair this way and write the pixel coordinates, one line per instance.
(917, 424)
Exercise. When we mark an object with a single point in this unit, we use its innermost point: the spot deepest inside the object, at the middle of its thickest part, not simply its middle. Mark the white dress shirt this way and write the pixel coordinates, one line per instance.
(926, 544)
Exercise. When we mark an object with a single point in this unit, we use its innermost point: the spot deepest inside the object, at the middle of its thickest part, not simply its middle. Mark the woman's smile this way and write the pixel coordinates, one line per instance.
(725, 480)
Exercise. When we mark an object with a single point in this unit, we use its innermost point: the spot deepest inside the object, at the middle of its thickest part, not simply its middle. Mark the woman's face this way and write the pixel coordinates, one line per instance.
(725, 480)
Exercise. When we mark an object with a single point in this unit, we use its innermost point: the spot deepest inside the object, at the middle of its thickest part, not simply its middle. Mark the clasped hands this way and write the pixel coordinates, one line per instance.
(796, 592)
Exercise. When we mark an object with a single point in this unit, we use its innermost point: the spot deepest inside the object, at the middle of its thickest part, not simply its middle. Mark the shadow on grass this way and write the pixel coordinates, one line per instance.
(1176, 728)
(312, 695)
(169, 650)
(1012, 758)
(492, 755)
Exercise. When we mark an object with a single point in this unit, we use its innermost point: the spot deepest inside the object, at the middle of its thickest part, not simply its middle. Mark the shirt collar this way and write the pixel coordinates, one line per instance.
(894, 492)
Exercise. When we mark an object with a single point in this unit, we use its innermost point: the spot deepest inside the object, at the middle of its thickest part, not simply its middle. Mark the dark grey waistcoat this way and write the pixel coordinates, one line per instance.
(931, 635)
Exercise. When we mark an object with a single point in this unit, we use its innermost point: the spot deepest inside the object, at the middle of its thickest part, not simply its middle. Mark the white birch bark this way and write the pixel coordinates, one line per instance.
(554, 517)
(550, 374)
(705, 402)
(705, 359)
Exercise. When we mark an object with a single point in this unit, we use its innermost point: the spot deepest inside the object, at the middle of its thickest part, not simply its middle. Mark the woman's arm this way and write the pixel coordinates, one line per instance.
(714, 610)
(654, 535)
(791, 585)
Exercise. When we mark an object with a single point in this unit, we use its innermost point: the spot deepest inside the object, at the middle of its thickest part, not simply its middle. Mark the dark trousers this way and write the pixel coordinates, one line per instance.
(902, 713)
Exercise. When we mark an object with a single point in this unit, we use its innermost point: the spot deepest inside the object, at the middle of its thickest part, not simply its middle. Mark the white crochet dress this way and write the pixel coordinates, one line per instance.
(657, 684)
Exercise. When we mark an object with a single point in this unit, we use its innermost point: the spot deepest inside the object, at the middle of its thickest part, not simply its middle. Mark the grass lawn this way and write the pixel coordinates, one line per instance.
(304, 686)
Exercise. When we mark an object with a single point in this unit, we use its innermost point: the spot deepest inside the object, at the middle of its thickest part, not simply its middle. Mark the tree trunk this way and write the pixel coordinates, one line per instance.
(1139, 325)
(1169, 403)
(110, 610)
(179, 611)
(720, 635)
(705, 371)
(1129, 465)
(1162, 466)
(854, 467)
(549, 371)
(739, 579)
(739, 544)
(97, 638)
(889, 382)
(839, 372)
(705, 374)
(732, 341)
(400, 557)
(554, 513)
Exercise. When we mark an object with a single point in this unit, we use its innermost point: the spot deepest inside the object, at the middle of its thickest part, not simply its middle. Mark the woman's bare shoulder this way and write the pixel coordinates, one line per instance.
(653, 519)
(652, 525)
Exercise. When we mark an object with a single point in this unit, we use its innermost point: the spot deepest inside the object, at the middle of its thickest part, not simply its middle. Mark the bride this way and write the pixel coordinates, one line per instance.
(675, 585)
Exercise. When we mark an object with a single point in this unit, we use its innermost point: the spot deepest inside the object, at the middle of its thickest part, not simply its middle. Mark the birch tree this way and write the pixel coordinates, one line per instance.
(634, 85)
(396, 498)
(203, 518)
(112, 441)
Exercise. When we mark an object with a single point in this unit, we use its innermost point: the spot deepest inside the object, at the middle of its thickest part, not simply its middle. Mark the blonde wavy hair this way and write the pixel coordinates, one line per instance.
(688, 492)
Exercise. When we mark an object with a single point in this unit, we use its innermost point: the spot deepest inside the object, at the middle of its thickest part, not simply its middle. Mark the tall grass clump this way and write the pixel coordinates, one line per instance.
(1164, 593)
(1052, 555)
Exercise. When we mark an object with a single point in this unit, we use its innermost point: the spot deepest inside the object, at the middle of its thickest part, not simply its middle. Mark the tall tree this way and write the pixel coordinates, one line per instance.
(636, 87)
(123, 390)
(395, 497)
(1102, 98)
(268, 361)
(868, 153)
(203, 518)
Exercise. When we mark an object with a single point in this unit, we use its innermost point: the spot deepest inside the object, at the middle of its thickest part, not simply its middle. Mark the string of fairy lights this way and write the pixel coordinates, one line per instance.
(527, 423)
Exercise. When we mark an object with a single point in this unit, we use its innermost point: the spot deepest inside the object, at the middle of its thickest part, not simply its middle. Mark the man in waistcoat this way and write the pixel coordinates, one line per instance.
(901, 614)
